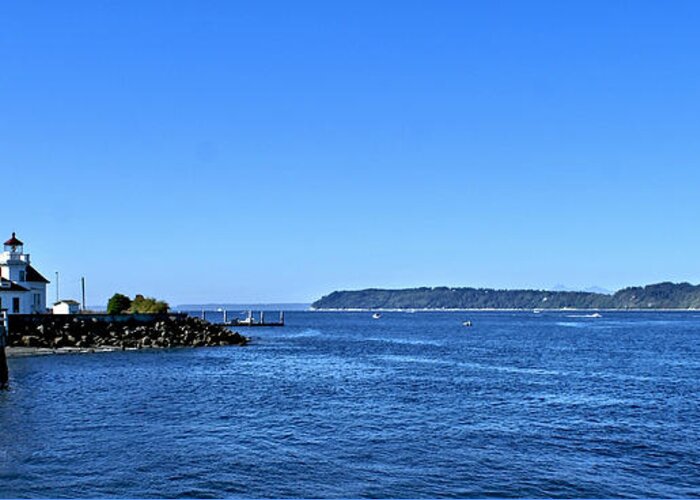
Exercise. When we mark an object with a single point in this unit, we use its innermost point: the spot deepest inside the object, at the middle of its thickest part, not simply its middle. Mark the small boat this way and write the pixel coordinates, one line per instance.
(467, 323)
(596, 315)
(376, 316)
(536, 311)
(247, 321)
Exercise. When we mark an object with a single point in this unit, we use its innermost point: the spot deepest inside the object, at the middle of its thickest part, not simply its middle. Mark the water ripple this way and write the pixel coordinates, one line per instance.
(340, 405)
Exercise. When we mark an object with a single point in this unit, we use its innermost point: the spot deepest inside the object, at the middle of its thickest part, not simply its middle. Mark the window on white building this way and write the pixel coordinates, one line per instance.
(23, 275)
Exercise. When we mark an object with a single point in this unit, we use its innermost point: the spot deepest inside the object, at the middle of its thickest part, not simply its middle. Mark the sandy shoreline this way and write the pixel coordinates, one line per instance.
(22, 352)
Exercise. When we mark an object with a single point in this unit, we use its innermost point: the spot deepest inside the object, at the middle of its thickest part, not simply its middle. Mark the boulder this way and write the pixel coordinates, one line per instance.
(30, 341)
(61, 331)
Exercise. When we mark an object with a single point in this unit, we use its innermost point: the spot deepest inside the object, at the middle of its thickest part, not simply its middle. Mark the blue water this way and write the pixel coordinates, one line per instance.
(341, 405)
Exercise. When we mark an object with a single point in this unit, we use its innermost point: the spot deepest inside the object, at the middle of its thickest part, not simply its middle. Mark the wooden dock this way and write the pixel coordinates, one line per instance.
(251, 321)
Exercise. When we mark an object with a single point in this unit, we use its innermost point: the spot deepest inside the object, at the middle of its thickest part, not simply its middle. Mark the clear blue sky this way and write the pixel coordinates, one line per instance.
(275, 151)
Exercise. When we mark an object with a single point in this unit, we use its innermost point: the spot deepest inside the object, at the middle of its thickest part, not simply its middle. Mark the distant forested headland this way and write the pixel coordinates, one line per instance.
(658, 296)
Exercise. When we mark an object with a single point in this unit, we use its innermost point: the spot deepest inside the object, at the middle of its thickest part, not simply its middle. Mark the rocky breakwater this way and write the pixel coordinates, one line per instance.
(103, 333)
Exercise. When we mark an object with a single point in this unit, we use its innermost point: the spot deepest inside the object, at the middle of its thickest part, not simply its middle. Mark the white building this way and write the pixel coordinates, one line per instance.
(66, 307)
(22, 288)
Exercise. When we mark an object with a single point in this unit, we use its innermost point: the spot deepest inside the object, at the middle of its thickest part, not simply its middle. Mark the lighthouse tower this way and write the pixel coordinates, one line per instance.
(13, 260)
(22, 288)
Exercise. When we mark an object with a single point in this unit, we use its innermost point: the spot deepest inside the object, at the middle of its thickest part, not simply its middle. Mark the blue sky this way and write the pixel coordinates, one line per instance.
(275, 151)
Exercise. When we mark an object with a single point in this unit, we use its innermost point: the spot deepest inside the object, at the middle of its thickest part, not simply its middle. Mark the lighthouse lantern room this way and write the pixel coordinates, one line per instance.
(22, 287)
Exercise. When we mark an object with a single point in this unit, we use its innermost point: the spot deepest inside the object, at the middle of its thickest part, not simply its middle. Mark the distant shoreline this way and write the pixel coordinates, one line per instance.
(221, 306)
(661, 296)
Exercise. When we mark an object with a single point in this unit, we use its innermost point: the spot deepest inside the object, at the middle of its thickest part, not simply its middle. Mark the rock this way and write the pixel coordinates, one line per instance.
(30, 341)
(85, 333)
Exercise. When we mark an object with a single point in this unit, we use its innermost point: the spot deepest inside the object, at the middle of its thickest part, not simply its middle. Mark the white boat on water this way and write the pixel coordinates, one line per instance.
(536, 311)
(466, 323)
(594, 315)
(248, 320)
(376, 316)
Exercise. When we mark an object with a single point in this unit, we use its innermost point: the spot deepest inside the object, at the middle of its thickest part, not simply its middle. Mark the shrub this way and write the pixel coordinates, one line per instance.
(148, 305)
(118, 304)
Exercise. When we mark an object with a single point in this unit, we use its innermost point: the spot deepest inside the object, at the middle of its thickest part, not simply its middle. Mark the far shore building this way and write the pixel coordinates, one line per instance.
(22, 288)
(66, 307)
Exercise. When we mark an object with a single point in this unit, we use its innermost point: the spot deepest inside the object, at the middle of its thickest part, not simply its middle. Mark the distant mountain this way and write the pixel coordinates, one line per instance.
(659, 296)
(591, 289)
(244, 307)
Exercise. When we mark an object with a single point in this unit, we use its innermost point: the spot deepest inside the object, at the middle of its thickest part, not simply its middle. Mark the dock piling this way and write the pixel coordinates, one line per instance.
(4, 371)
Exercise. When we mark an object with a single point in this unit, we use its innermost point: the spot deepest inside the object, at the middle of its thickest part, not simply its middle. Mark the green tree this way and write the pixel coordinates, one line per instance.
(118, 304)
(148, 305)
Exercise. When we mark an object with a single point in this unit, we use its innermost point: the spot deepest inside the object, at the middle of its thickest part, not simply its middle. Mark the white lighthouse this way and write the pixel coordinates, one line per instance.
(22, 288)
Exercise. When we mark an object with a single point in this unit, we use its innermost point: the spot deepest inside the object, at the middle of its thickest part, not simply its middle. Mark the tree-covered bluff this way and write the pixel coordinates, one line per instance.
(659, 296)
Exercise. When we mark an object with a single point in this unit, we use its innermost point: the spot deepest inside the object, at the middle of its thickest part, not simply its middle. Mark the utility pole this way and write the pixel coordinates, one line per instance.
(82, 284)
(57, 294)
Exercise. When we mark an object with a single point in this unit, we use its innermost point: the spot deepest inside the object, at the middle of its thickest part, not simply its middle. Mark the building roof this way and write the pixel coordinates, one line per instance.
(68, 301)
(14, 242)
(35, 276)
(13, 287)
